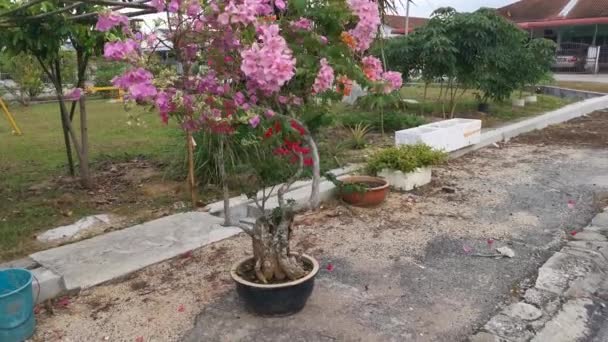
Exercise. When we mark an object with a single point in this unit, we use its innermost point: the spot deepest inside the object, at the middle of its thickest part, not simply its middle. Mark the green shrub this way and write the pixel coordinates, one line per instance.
(404, 158)
(358, 137)
(106, 71)
(393, 121)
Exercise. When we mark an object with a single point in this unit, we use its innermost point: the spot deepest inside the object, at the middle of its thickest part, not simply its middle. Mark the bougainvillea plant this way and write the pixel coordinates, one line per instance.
(257, 66)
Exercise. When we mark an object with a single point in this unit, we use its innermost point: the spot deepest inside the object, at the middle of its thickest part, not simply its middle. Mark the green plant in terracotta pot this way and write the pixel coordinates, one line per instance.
(405, 167)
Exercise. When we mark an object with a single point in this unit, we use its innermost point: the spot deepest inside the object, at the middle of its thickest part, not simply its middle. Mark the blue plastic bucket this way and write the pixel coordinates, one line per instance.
(17, 320)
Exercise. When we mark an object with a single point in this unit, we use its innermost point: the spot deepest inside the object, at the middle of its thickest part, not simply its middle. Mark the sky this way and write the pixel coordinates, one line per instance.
(424, 8)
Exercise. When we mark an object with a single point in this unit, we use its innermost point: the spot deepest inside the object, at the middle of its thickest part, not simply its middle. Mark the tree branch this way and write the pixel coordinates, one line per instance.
(285, 187)
(244, 228)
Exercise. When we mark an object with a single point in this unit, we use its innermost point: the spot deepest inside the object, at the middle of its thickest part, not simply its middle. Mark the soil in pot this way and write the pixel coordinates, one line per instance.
(364, 191)
(277, 298)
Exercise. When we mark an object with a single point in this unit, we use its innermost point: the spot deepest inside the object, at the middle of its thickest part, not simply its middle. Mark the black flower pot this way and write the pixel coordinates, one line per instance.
(275, 299)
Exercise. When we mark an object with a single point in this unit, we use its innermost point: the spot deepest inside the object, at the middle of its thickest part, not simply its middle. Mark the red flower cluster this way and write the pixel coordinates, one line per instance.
(291, 149)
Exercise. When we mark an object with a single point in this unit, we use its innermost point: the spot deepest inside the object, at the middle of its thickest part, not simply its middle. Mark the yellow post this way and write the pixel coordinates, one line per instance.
(10, 118)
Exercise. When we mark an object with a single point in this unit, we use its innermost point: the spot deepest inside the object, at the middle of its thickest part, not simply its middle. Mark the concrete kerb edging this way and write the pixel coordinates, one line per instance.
(571, 288)
(563, 114)
(52, 284)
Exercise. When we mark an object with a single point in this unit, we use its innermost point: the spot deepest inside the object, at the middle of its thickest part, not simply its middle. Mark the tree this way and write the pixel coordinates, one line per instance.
(26, 74)
(479, 50)
(42, 31)
(249, 72)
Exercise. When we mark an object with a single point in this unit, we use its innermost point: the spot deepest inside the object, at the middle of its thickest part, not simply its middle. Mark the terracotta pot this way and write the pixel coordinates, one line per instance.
(374, 195)
(275, 299)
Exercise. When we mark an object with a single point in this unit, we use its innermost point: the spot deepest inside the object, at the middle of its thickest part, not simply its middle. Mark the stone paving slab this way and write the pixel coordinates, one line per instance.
(106, 257)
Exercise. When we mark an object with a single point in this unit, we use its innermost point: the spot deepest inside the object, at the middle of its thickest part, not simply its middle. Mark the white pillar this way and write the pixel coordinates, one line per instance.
(407, 17)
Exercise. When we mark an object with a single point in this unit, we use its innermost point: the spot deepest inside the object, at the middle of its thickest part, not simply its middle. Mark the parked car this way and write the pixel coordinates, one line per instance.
(571, 56)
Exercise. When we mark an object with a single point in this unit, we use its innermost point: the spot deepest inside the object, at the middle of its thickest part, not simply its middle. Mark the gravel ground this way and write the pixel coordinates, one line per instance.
(402, 271)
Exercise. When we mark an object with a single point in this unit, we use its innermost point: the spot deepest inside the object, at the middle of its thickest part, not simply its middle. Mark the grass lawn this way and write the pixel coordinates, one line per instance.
(39, 156)
(589, 86)
(500, 112)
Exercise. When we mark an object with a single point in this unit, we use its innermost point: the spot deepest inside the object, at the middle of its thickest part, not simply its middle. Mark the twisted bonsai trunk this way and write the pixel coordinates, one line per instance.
(271, 235)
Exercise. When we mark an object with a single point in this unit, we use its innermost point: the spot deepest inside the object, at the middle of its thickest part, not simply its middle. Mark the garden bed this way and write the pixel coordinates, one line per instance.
(589, 131)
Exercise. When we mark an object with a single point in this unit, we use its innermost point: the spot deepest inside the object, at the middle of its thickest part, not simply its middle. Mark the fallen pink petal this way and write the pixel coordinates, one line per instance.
(571, 204)
(329, 267)
(573, 233)
(467, 249)
(181, 308)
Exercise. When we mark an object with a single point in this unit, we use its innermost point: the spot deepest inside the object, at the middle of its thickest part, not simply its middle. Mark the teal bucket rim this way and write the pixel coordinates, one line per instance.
(28, 283)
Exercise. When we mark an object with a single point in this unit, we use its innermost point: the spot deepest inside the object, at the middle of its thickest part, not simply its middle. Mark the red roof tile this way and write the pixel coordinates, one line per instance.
(536, 10)
(397, 22)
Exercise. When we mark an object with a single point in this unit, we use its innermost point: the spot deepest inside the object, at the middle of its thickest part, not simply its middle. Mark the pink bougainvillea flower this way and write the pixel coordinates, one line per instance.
(138, 83)
(181, 308)
(329, 267)
(269, 113)
(571, 204)
(393, 81)
(573, 233)
(372, 67)
(323, 40)
(302, 24)
(142, 91)
(63, 302)
(367, 26)
(174, 6)
(269, 63)
(467, 249)
(159, 5)
(194, 8)
(121, 50)
(74, 95)
(324, 79)
(280, 4)
(254, 121)
(109, 20)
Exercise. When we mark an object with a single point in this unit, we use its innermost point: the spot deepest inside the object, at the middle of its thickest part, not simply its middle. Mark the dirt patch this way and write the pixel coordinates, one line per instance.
(586, 131)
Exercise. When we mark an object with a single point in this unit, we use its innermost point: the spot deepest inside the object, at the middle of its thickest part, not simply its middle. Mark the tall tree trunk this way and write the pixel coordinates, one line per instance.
(191, 177)
(85, 172)
(59, 92)
(225, 191)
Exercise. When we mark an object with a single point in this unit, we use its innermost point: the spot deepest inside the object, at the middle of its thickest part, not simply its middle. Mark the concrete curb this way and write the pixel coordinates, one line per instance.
(571, 288)
(509, 131)
(570, 93)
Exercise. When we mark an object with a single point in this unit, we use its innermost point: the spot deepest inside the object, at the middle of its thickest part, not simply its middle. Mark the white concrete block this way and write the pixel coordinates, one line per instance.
(46, 285)
(448, 135)
(82, 226)
(108, 256)
(407, 181)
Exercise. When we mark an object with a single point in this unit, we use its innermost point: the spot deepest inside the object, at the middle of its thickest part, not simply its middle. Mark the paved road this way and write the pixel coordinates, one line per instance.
(600, 78)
